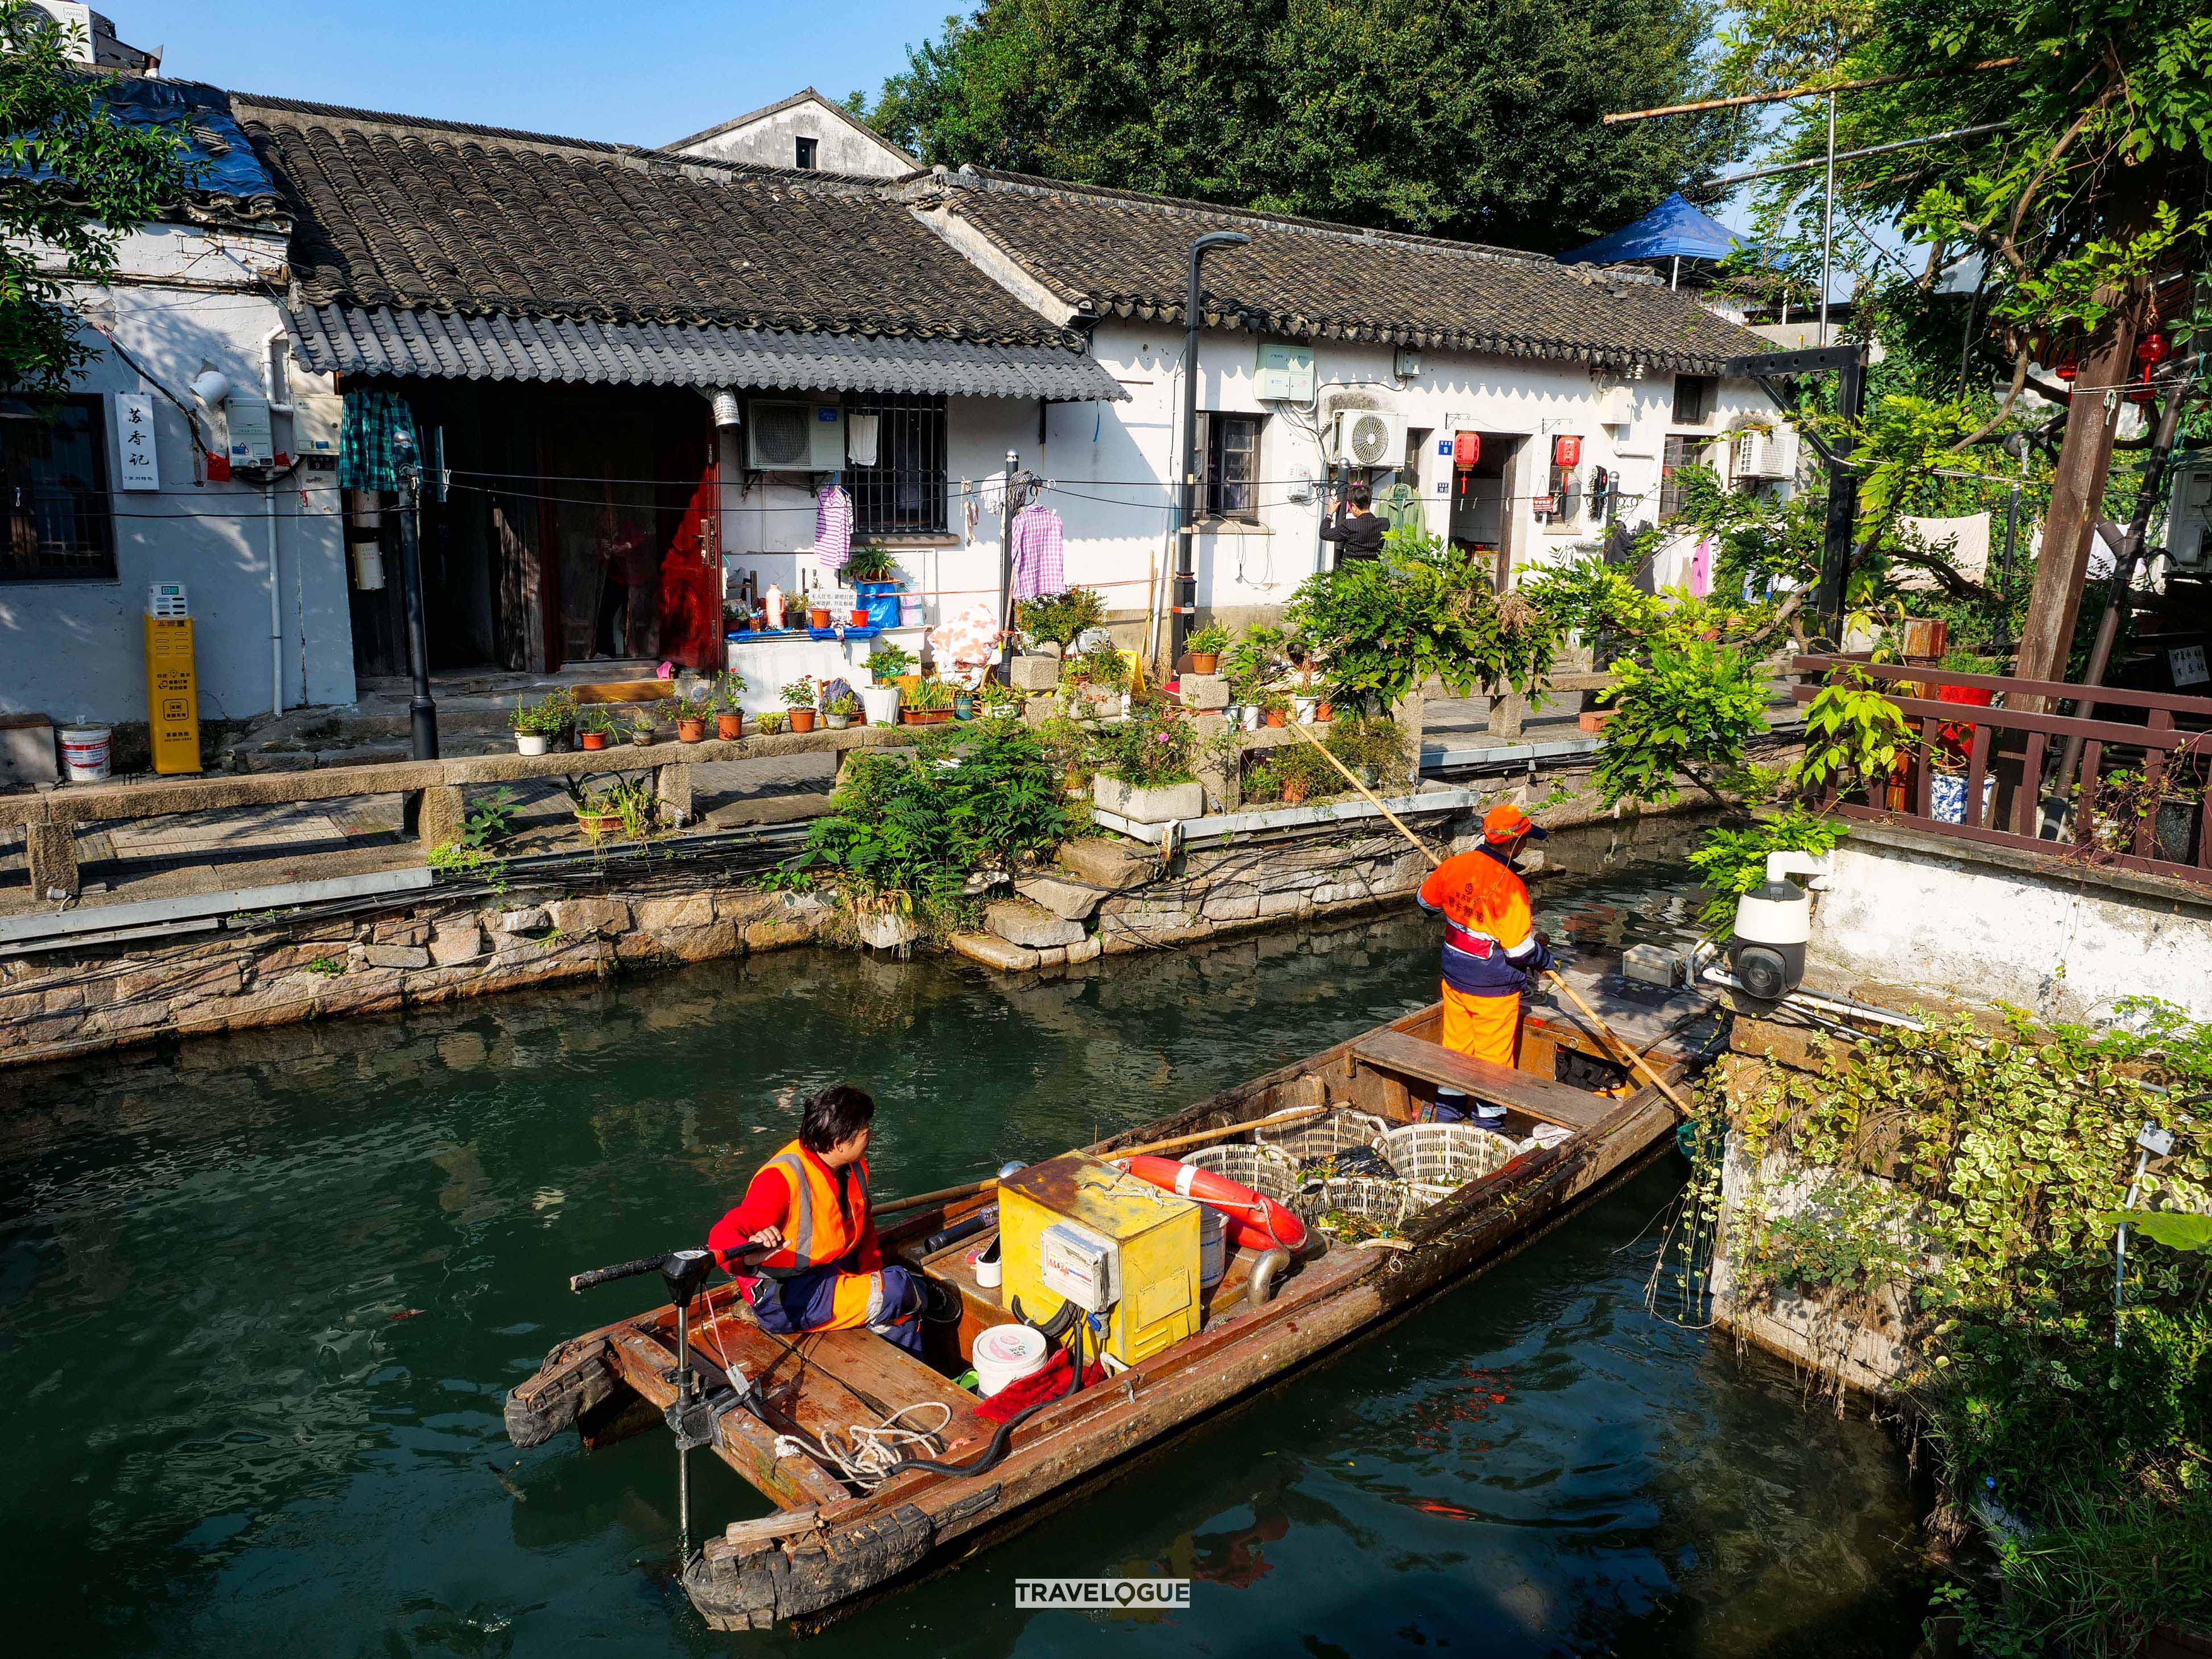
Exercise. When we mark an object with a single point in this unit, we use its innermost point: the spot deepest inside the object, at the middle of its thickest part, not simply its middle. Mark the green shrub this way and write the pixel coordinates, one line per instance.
(1371, 740)
(1154, 746)
(1061, 619)
(1694, 710)
(918, 821)
(1731, 862)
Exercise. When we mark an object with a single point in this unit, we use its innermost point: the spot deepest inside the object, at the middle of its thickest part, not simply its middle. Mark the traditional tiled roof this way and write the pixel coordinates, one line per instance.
(412, 215)
(1109, 253)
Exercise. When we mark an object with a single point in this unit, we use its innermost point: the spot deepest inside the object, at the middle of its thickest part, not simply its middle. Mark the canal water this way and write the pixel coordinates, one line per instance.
(261, 1301)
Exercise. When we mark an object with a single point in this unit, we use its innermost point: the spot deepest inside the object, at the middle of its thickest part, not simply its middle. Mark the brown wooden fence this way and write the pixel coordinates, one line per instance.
(2138, 797)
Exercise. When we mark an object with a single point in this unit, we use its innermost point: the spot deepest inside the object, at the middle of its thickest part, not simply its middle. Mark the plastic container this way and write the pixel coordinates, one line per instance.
(1311, 1138)
(1212, 1246)
(1386, 1202)
(1267, 1170)
(1006, 1353)
(881, 601)
(1447, 1154)
(85, 751)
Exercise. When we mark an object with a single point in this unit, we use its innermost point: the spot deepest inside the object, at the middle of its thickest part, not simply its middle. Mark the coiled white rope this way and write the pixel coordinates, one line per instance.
(866, 1461)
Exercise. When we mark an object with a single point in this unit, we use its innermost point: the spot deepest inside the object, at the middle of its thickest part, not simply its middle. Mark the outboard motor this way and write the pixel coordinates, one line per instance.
(1772, 923)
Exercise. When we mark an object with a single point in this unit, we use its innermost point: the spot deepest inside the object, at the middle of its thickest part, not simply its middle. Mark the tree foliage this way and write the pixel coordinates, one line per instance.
(1476, 122)
(1693, 709)
(75, 180)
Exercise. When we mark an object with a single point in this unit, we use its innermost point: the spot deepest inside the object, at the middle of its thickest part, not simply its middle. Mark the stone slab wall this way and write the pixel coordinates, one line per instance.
(65, 1003)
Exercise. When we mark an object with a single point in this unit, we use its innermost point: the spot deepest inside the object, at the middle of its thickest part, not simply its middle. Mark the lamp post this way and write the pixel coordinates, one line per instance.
(421, 712)
(1184, 598)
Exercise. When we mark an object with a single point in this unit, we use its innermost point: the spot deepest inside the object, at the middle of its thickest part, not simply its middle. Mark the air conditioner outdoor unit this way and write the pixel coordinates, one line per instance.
(1767, 454)
(783, 436)
(1365, 437)
(2189, 517)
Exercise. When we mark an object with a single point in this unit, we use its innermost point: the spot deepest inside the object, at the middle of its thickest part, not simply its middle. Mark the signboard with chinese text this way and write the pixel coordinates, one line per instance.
(140, 467)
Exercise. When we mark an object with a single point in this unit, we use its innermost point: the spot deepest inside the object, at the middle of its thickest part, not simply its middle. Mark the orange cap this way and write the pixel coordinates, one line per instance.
(1503, 822)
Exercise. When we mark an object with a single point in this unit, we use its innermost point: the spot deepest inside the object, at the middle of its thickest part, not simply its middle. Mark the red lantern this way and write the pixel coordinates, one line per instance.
(2064, 369)
(2153, 347)
(1566, 452)
(1467, 448)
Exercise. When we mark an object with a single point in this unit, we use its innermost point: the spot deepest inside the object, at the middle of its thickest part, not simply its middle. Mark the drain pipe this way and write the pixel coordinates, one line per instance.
(275, 604)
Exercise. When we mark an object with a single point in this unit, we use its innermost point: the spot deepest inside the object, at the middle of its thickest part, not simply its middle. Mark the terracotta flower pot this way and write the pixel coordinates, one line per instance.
(1594, 720)
(599, 824)
(1279, 717)
(802, 719)
(591, 740)
(1205, 662)
(1324, 711)
(691, 730)
(818, 616)
(729, 725)
(1294, 790)
(924, 716)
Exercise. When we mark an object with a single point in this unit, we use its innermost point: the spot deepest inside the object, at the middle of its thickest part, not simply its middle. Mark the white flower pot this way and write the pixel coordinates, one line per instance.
(882, 704)
(1159, 804)
(1253, 714)
(532, 743)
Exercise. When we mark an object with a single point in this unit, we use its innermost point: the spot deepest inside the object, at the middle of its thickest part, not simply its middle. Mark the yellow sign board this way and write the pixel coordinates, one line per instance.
(173, 694)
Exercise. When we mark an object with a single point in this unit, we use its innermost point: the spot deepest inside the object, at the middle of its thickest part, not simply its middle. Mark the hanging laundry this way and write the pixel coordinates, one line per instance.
(991, 493)
(833, 527)
(1701, 569)
(860, 436)
(1039, 568)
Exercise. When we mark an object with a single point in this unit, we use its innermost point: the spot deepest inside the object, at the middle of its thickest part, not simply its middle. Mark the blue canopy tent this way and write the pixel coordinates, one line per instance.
(1674, 230)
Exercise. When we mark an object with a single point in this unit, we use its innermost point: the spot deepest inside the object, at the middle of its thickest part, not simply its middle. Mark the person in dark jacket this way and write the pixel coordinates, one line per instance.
(1356, 531)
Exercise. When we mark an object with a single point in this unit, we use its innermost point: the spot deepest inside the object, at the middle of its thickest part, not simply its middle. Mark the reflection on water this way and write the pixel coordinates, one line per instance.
(260, 1302)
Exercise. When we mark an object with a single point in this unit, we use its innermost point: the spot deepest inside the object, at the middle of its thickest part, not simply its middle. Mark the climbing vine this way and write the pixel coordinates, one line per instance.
(1963, 1185)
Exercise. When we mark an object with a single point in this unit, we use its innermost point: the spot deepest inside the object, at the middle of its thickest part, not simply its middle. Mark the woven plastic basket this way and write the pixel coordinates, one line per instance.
(1320, 1137)
(1446, 1155)
(1387, 1202)
(1265, 1169)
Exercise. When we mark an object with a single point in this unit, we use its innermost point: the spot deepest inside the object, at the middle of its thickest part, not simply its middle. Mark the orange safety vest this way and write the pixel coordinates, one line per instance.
(817, 1231)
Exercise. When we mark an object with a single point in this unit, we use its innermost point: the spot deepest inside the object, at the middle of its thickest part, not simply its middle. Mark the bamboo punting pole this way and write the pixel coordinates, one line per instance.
(1808, 91)
(1635, 1061)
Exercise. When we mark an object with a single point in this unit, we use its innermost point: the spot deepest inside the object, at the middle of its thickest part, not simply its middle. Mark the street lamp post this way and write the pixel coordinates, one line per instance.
(1183, 599)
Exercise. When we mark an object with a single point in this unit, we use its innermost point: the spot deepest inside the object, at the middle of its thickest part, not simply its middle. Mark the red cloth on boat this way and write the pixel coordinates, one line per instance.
(1048, 1381)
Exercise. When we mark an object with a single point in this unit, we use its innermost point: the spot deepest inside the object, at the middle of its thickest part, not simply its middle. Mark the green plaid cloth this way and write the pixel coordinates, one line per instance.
(375, 439)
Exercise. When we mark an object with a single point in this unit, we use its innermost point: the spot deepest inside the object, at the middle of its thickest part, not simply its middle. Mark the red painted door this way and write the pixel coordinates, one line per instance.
(691, 586)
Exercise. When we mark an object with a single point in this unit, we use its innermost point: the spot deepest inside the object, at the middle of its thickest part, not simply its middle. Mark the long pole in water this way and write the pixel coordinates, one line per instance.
(1636, 1060)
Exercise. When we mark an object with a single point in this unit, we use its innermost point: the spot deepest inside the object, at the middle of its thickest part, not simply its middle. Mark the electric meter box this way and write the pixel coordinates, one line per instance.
(251, 440)
(1077, 1229)
(173, 682)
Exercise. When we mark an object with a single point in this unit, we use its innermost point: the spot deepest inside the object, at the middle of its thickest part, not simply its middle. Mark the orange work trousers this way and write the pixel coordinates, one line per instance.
(1487, 1028)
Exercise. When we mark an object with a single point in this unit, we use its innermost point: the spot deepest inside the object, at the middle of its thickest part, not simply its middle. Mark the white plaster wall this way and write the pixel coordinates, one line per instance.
(73, 650)
(771, 142)
(2066, 948)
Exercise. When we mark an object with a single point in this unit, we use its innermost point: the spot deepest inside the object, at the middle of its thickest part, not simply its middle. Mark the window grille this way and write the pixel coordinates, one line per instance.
(1694, 399)
(1681, 449)
(903, 494)
(1232, 467)
(53, 477)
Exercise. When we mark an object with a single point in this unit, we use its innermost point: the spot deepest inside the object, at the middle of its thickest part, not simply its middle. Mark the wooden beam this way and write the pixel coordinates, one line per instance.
(1538, 1097)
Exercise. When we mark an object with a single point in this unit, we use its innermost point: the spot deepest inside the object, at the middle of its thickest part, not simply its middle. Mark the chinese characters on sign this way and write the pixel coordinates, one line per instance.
(134, 440)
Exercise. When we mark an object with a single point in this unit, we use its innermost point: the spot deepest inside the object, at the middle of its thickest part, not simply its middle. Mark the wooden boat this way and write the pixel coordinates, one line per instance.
(830, 1546)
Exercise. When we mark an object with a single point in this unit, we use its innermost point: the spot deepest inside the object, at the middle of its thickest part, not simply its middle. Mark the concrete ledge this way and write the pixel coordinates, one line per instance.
(1290, 817)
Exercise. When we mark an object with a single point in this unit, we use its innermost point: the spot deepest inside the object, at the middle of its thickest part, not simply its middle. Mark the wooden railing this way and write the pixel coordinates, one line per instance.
(2137, 797)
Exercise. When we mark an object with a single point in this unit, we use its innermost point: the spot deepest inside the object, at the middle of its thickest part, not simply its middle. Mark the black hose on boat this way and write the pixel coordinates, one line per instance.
(985, 1461)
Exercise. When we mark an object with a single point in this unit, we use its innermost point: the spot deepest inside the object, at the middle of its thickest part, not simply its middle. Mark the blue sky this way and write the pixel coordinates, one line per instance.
(634, 71)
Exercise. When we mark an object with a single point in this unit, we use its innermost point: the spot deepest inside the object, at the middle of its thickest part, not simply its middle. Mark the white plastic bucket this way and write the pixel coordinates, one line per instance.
(880, 704)
(85, 752)
(1006, 1353)
(1212, 1246)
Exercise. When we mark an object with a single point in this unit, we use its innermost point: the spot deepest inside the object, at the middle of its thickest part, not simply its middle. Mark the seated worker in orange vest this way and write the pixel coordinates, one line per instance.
(809, 1208)
(1491, 950)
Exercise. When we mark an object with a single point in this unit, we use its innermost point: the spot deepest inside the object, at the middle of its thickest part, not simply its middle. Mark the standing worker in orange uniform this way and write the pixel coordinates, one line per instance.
(1491, 950)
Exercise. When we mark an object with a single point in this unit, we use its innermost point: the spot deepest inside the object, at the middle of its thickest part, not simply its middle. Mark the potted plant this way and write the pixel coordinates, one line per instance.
(1206, 647)
(874, 577)
(818, 610)
(595, 727)
(626, 805)
(890, 663)
(929, 703)
(1276, 708)
(1373, 748)
(963, 703)
(640, 727)
(770, 721)
(729, 706)
(1060, 619)
(842, 712)
(690, 719)
(1143, 767)
(799, 697)
(994, 701)
(537, 723)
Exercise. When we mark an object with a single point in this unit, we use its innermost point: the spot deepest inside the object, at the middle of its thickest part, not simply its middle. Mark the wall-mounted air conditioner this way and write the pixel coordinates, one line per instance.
(1768, 453)
(784, 436)
(1367, 437)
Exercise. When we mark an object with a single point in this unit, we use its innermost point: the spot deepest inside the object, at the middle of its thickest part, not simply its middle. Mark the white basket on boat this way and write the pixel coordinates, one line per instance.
(1389, 1202)
(1447, 1155)
(1266, 1169)
(1324, 1137)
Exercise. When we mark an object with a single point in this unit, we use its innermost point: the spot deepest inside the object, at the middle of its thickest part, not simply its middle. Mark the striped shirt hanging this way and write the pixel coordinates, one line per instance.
(1039, 568)
(833, 527)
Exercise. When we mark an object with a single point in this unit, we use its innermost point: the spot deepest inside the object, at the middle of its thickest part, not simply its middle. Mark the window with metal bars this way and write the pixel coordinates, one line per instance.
(1232, 467)
(53, 471)
(903, 492)
(1678, 450)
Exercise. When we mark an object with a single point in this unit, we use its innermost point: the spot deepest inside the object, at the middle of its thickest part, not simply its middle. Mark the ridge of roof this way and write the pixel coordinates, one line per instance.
(803, 95)
(1035, 185)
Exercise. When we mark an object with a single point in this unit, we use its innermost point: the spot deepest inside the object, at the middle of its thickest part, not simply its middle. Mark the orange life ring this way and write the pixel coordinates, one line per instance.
(1256, 1220)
